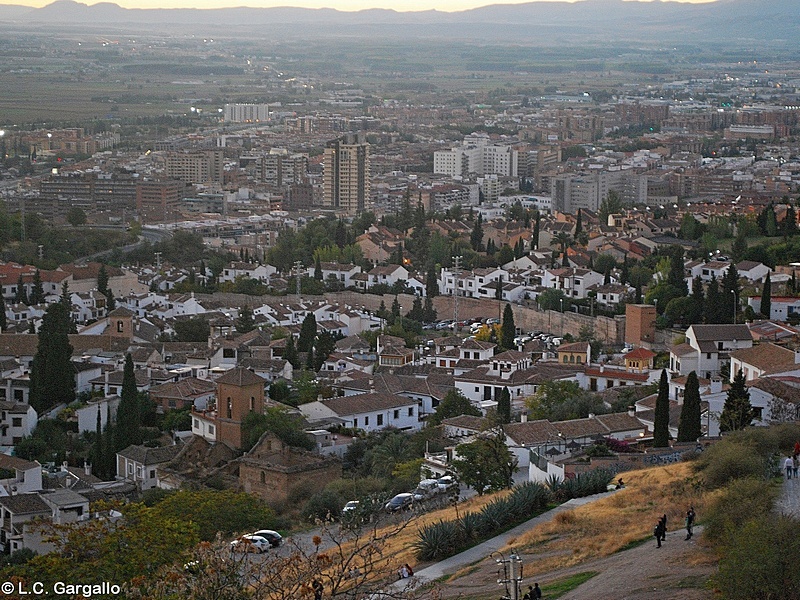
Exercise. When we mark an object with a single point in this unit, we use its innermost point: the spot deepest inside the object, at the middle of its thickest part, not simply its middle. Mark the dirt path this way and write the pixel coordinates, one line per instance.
(679, 570)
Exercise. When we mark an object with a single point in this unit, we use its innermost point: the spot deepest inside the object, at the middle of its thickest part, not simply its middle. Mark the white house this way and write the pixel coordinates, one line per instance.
(368, 412)
(27, 475)
(752, 270)
(575, 283)
(138, 464)
(707, 348)
(17, 420)
(338, 272)
(261, 273)
(762, 359)
(782, 308)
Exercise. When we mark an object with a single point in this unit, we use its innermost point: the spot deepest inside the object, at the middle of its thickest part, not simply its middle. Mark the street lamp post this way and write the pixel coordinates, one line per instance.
(561, 300)
(734, 306)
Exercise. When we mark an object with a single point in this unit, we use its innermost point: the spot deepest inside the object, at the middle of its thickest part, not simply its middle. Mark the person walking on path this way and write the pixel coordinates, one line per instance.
(664, 528)
(318, 589)
(533, 593)
(658, 532)
(795, 465)
(789, 465)
(689, 522)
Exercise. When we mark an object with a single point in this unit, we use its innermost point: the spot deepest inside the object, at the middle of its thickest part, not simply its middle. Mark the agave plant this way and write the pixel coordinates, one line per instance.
(438, 540)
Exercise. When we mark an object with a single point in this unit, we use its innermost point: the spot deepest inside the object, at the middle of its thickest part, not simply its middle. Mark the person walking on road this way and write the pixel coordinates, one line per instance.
(789, 465)
(689, 522)
(658, 532)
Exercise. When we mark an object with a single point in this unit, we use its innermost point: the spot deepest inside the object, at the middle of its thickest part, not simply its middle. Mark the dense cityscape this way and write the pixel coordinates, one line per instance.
(292, 317)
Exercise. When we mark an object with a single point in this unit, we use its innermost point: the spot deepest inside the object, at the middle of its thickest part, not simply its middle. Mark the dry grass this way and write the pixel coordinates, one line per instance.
(607, 526)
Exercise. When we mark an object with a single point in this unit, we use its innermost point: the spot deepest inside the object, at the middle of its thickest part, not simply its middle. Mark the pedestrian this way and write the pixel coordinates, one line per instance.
(403, 572)
(318, 588)
(664, 528)
(537, 592)
(689, 522)
(795, 465)
(658, 531)
(529, 594)
(409, 570)
(789, 465)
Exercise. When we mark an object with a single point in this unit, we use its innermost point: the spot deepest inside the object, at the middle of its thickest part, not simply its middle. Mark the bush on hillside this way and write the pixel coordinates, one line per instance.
(728, 460)
(743, 499)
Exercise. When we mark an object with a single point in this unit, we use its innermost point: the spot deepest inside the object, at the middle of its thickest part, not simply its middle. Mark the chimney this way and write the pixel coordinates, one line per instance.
(631, 411)
(716, 385)
(523, 418)
(87, 468)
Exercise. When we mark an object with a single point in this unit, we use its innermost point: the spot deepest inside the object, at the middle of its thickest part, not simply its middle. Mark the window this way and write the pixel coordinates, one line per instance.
(152, 473)
(230, 408)
(366, 421)
(120, 326)
(171, 403)
(355, 421)
(196, 424)
(211, 430)
(130, 468)
(578, 359)
(380, 420)
(252, 403)
(708, 355)
(477, 389)
(229, 353)
(16, 422)
(566, 359)
(719, 345)
(410, 411)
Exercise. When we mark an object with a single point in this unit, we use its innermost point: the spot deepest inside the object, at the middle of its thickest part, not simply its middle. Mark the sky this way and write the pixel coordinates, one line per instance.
(346, 5)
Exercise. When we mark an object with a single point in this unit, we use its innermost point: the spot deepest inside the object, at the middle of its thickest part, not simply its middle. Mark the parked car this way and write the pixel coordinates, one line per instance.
(426, 489)
(399, 502)
(447, 483)
(274, 538)
(350, 507)
(250, 543)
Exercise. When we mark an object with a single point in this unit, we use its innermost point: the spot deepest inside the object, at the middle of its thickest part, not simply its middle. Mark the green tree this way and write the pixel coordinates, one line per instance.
(578, 223)
(689, 426)
(508, 330)
(429, 313)
(661, 419)
(504, 406)
(562, 401)
(308, 331)
(76, 216)
(20, 296)
(766, 298)
(536, 230)
(317, 268)
(731, 291)
(416, 313)
(392, 451)
(245, 322)
(128, 429)
(789, 223)
(52, 378)
(675, 277)
(737, 413)
(713, 304)
(611, 205)
(454, 404)
(37, 291)
(431, 283)
(280, 391)
(290, 352)
(487, 464)
(476, 236)
(193, 329)
(286, 426)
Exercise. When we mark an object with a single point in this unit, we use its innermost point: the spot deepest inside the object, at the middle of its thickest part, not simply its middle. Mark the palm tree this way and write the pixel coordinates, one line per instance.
(564, 239)
(388, 454)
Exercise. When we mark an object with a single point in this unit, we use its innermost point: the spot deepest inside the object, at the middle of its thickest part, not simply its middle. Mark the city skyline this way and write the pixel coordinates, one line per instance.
(340, 5)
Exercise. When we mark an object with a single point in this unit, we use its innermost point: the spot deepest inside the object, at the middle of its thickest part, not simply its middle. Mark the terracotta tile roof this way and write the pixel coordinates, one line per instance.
(361, 403)
(25, 504)
(467, 422)
(240, 377)
(640, 353)
(532, 432)
(150, 456)
(765, 356)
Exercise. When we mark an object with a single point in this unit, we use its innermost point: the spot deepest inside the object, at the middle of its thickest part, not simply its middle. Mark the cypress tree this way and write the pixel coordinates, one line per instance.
(675, 276)
(21, 297)
(737, 413)
(37, 291)
(109, 463)
(689, 427)
(429, 313)
(431, 283)
(793, 284)
(661, 419)
(245, 321)
(128, 430)
(624, 275)
(396, 307)
(766, 298)
(52, 379)
(476, 237)
(712, 308)
(607, 276)
(504, 406)
(308, 331)
(730, 289)
(310, 359)
(97, 450)
(3, 322)
(508, 329)
(536, 226)
(290, 352)
(578, 223)
(317, 268)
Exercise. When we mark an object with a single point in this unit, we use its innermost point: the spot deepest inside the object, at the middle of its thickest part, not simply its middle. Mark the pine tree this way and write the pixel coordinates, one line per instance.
(398, 257)
(675, 277)
(508, 329)
(128, 429)
(308, 331)
(624, 276)
(310, 362)
(578, 223)
(416, 313)
(689, 426)
(66, 301)
(737, 413)
(766, 298)
(536, 226)
(789, 223)
(21, 296)
(52, 378)
(712, 308)
(396, 307)
(661, 419)
(429, 313)
(102, 287)
(290, 352)
(37, 291)
(504, 406)
(245, 321)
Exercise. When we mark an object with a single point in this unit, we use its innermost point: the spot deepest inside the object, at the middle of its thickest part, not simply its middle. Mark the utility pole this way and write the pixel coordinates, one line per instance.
(511, 576)
(158, 261)
(456, 273)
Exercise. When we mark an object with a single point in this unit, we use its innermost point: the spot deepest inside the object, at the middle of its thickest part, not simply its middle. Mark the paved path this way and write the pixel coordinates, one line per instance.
(484, 549)
(789, 501)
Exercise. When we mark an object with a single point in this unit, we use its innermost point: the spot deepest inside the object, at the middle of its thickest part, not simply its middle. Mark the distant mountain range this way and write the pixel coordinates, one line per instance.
(732, 22)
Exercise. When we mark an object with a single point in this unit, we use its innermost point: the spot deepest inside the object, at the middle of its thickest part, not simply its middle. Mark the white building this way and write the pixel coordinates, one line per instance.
(708, 348)
(368, 412)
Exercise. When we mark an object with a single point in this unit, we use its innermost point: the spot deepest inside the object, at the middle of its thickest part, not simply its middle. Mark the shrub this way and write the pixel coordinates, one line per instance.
(324, 505)
(762, 562)
(438, 540)
(728, 460)
(743, 499)
(585, 484)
